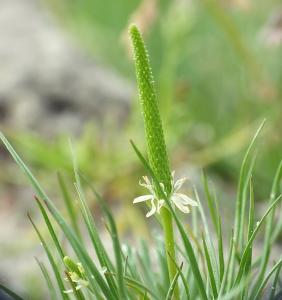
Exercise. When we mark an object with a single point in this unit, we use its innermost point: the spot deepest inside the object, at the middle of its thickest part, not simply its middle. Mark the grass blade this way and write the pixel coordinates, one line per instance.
(210, 268)
(51, 259)
(92, 229)
(243, 182)
(250, 232)
(162, 263)
(184, 281)
(226, 272)
(234, 292)
(82, 255)
(173, 284)
(9, 292)
(50, 228)
(245, 173)
(116, 244)
(148, 276)
(275, 281)
(220, 251)
(264, 282)
(212, 204)
(269, 225)
(209, 244)
(69, 204)
(48, 280)
(140, 287)
(248, 248)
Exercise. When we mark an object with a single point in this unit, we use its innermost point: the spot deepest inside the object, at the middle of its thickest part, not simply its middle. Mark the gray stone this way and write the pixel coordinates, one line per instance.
(46, 83)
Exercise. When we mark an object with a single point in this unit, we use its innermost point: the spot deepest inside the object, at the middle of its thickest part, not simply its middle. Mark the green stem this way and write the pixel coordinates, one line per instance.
(169, 247)
(156, 147)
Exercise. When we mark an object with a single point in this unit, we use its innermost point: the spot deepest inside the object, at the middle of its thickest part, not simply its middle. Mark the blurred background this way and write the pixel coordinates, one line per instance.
(66, 71)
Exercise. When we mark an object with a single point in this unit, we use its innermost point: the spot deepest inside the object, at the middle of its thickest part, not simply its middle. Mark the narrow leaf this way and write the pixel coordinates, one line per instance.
(173, 284)
(9, 292)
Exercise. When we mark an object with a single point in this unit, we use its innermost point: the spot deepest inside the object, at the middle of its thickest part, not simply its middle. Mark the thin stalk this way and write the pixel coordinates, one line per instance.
(169, 244)
(155, 141)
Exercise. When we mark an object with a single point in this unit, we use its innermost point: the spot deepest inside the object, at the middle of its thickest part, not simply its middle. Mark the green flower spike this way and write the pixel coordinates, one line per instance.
(156, 148)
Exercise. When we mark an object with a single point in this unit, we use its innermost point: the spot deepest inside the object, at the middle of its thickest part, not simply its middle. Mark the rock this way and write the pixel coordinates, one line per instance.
(46, 83)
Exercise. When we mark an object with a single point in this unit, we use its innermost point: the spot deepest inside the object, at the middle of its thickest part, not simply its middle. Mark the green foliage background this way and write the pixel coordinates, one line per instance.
(216, 78)
(216, 81)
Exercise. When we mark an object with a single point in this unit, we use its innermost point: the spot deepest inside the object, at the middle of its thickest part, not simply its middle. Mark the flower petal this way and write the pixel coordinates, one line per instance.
(186, 200)
(148, 187)
(147, 184)
(143, 198)
(153, 209)
(178, 184)
(147, 181)
(178, 203)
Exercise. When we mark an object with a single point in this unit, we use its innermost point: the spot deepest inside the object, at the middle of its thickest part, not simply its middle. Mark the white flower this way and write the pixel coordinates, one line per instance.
(78, 278)
(181, 201)
(155, 203)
